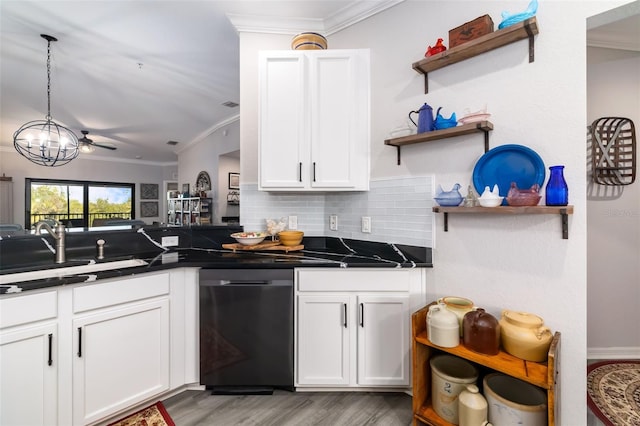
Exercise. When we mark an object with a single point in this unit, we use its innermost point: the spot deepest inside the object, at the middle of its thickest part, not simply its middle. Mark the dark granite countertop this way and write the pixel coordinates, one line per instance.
(199, 247)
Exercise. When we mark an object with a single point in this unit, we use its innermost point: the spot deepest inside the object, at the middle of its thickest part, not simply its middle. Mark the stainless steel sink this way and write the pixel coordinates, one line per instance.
(70, 270)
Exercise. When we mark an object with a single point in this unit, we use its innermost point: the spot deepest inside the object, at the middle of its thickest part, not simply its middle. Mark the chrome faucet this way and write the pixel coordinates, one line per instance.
(58, 234)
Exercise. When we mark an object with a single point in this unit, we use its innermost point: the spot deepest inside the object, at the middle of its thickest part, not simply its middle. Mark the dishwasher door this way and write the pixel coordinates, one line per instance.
(246, 330)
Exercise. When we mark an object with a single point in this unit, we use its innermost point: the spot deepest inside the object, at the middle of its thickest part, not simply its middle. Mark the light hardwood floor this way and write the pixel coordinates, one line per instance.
(284, 408)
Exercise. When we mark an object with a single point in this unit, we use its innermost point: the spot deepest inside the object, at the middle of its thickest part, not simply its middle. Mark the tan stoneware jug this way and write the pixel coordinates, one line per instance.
(481, 332)
(459, 306)
(524, 335)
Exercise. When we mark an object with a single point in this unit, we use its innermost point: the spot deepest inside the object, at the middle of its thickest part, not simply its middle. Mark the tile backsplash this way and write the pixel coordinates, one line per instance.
(399, 208)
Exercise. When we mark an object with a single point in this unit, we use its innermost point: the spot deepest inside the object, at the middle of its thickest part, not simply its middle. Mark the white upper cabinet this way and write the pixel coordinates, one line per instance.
(314, 120)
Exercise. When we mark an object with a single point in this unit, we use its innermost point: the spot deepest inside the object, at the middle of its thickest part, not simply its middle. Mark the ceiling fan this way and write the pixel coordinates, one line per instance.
(87, 145)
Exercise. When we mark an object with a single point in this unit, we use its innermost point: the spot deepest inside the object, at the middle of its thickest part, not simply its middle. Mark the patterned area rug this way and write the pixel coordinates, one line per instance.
(154, 415)
(613, 392)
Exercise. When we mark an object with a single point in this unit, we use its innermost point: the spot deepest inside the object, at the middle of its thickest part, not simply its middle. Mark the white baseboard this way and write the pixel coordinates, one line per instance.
(625, 352)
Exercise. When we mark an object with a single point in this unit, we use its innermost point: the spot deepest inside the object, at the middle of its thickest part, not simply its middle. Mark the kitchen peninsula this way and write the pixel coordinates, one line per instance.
(99, 344)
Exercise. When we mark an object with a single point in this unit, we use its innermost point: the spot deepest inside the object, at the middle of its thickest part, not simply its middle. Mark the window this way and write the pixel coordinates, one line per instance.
(78, 203)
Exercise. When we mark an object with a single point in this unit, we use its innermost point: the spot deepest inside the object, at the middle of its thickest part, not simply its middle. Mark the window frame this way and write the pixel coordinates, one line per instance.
(85, 193)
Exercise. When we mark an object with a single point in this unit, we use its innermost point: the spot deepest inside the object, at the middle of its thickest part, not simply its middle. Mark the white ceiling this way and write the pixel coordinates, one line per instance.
(139, 73)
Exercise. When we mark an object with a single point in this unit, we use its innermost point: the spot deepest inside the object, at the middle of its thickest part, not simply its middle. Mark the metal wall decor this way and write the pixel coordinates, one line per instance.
(613, 151)
(148, 208)
(203, 182)
(149, 191)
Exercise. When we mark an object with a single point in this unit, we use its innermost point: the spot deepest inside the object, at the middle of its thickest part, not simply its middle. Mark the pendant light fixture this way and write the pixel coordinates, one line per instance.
(46, 143)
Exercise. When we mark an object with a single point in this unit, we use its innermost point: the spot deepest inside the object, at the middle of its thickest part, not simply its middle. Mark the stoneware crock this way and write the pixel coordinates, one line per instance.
(459, 306)
(524, 335)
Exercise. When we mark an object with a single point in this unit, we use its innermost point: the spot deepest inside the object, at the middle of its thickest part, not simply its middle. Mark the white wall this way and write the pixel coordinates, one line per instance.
(500, 262)
(85, 167)
(613, 253)
(204, 156)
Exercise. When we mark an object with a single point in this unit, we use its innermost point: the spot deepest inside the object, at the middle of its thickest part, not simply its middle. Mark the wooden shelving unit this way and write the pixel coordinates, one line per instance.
(563, 211)
(522, 30)
(542, 374)
(465, 129)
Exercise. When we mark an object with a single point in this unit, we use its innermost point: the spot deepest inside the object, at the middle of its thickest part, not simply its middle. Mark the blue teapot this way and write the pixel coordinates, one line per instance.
(425, 118)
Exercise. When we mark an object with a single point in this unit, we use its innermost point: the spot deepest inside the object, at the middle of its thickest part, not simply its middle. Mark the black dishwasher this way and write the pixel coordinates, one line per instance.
(246, 330)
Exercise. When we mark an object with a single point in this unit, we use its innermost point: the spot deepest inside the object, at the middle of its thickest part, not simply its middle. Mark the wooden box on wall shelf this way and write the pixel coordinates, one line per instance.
(470, 30)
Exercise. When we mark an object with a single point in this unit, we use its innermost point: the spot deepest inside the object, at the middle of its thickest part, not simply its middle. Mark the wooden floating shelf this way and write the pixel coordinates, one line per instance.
(563, 211)
(465, 129)
(522, 30)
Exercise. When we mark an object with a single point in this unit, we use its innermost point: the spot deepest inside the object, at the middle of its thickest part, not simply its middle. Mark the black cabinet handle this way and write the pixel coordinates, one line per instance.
(344, 306)
(362, 315)
(50, 360)
(300, 171)
(314, 171)
(79, 342)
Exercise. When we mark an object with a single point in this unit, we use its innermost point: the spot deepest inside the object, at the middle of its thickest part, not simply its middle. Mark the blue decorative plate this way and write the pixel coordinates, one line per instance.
(505, 164)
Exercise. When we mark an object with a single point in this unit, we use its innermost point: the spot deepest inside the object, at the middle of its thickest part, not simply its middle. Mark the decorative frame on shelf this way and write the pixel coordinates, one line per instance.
(234, 180)
(149, 191)
(185, 189)
(148, 208)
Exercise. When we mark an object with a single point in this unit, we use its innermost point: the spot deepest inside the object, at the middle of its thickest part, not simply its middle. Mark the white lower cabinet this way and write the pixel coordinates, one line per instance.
(81, 354)
(28, 382)
(120, 345)
(29, 359)
(352, 327)
(121, 358)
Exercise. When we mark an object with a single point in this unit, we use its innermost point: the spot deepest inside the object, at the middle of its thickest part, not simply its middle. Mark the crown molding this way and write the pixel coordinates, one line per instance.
(208, 132)
(353, 13)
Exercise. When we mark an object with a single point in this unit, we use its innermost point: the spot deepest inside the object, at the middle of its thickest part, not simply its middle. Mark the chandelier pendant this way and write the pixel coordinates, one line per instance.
(46, 142)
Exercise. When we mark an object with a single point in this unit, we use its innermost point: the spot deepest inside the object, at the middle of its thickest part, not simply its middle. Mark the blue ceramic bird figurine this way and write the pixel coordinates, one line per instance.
(448, 198)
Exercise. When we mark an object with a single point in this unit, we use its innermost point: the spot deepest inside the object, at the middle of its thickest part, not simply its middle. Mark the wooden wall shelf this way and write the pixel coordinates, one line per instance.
(563, 211)
(521, 30)
(542, 374)
(465, 129)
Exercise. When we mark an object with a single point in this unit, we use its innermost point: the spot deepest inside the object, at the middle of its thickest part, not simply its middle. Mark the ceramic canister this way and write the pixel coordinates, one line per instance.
(449, 376)
(524, 335)
(459, 306)
(442, 326)
(513, 401)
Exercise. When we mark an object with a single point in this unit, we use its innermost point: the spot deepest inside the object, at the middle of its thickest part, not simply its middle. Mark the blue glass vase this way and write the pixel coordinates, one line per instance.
(557, 192)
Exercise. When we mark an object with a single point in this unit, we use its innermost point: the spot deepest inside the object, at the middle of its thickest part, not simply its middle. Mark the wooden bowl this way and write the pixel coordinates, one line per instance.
(290, 238)
(309, 41)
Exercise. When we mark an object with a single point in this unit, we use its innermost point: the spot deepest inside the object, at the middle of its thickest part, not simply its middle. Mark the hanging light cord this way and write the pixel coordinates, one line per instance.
(48, 117)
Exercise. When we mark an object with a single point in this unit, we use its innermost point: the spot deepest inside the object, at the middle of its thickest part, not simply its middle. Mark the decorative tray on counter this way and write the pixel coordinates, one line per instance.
(266, 245)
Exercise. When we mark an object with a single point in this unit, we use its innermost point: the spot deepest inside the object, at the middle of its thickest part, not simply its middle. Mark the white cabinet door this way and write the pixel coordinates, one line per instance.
(323, 327)
(383, 339)
(284, 138)
(339, 122)
(121, 357)
(314, 120)
(28, 379)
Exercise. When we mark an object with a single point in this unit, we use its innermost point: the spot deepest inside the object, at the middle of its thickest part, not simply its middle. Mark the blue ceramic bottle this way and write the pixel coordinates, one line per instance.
(557, 192)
